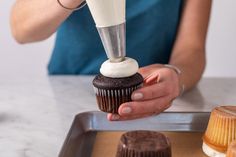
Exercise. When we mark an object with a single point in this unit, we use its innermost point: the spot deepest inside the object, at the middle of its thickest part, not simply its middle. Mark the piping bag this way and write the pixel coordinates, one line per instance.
(109, 16)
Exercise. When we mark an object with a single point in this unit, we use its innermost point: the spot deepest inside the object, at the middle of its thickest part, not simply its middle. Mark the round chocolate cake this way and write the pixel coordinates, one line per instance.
(143, 144)
(116, 83)
(107, 83)
(112, 92)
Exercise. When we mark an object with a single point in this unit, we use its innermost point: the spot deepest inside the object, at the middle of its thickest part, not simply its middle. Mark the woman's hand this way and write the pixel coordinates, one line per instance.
(161, 87)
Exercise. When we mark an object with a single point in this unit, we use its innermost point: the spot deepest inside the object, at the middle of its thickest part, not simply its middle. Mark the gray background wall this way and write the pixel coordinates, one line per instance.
(32, 59)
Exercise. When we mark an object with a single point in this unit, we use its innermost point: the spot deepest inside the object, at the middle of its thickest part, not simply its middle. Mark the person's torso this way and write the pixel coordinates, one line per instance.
(151, 27)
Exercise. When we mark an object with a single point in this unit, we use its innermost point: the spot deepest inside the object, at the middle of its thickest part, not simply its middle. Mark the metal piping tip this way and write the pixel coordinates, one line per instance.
(116, 60)
(114, 41)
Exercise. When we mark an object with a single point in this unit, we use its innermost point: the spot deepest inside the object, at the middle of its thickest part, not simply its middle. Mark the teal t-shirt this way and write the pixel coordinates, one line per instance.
(151, 27)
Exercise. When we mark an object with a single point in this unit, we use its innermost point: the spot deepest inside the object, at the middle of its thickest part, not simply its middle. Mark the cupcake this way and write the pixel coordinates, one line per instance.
(231, 152)
(143, 144)
(221, 131)
(116, 83)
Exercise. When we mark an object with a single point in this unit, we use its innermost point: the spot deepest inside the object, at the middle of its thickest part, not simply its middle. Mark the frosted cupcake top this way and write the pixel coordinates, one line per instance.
(126, 68)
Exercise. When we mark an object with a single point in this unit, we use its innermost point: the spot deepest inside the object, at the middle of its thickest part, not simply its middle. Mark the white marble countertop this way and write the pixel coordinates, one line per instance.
(36, 113)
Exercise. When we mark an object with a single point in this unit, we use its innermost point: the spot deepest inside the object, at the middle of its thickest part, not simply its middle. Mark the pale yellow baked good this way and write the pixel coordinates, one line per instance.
(221, 130)
(231, 152)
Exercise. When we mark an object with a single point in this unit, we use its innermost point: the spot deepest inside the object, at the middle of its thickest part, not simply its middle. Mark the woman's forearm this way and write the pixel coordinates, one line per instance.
(35, 20)
(189, 49)
(192, 65)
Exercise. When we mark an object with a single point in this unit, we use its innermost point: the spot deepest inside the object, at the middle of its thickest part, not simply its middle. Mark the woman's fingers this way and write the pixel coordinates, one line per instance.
(161, 86)
(152, 79)
(113, 117)
(134, 110)
(150, 92)
(144, 107)
(116, 117)
(146, 71)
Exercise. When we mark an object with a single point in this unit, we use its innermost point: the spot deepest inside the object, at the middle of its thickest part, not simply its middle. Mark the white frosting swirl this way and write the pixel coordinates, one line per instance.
(126, 68)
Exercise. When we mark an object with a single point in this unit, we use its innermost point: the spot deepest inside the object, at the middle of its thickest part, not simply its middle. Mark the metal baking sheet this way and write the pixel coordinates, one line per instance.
(81, 137)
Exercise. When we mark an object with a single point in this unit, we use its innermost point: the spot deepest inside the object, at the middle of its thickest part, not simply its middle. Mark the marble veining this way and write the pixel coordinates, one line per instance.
(36, 113)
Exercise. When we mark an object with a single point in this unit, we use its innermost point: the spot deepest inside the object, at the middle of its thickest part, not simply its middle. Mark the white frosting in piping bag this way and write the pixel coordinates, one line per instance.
(107, 12)
(126, 68)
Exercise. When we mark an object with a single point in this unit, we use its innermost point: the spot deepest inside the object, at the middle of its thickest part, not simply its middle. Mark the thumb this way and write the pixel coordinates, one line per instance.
(152, 78)
(144, 71)
(148, 70)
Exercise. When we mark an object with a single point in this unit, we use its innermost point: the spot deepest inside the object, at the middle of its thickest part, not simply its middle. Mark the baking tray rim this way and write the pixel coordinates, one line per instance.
(87, 122)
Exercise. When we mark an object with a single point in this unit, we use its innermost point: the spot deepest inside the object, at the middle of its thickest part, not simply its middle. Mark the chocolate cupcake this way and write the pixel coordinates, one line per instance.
(143, 144)
(116, 83)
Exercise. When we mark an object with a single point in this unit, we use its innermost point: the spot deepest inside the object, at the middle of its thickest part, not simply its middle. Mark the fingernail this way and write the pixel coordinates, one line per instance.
(137, 96)
(126, 110)
(115, 117)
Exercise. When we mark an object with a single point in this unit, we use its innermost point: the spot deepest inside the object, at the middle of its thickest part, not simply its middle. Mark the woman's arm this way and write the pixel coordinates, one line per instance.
(162, 84)
(35, 20)
(189, 49)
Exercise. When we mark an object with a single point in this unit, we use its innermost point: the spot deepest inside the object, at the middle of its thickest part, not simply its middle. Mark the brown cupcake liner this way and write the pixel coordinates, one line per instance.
(143, 144)
(221, 130)
(109, 100)
(125, 152)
